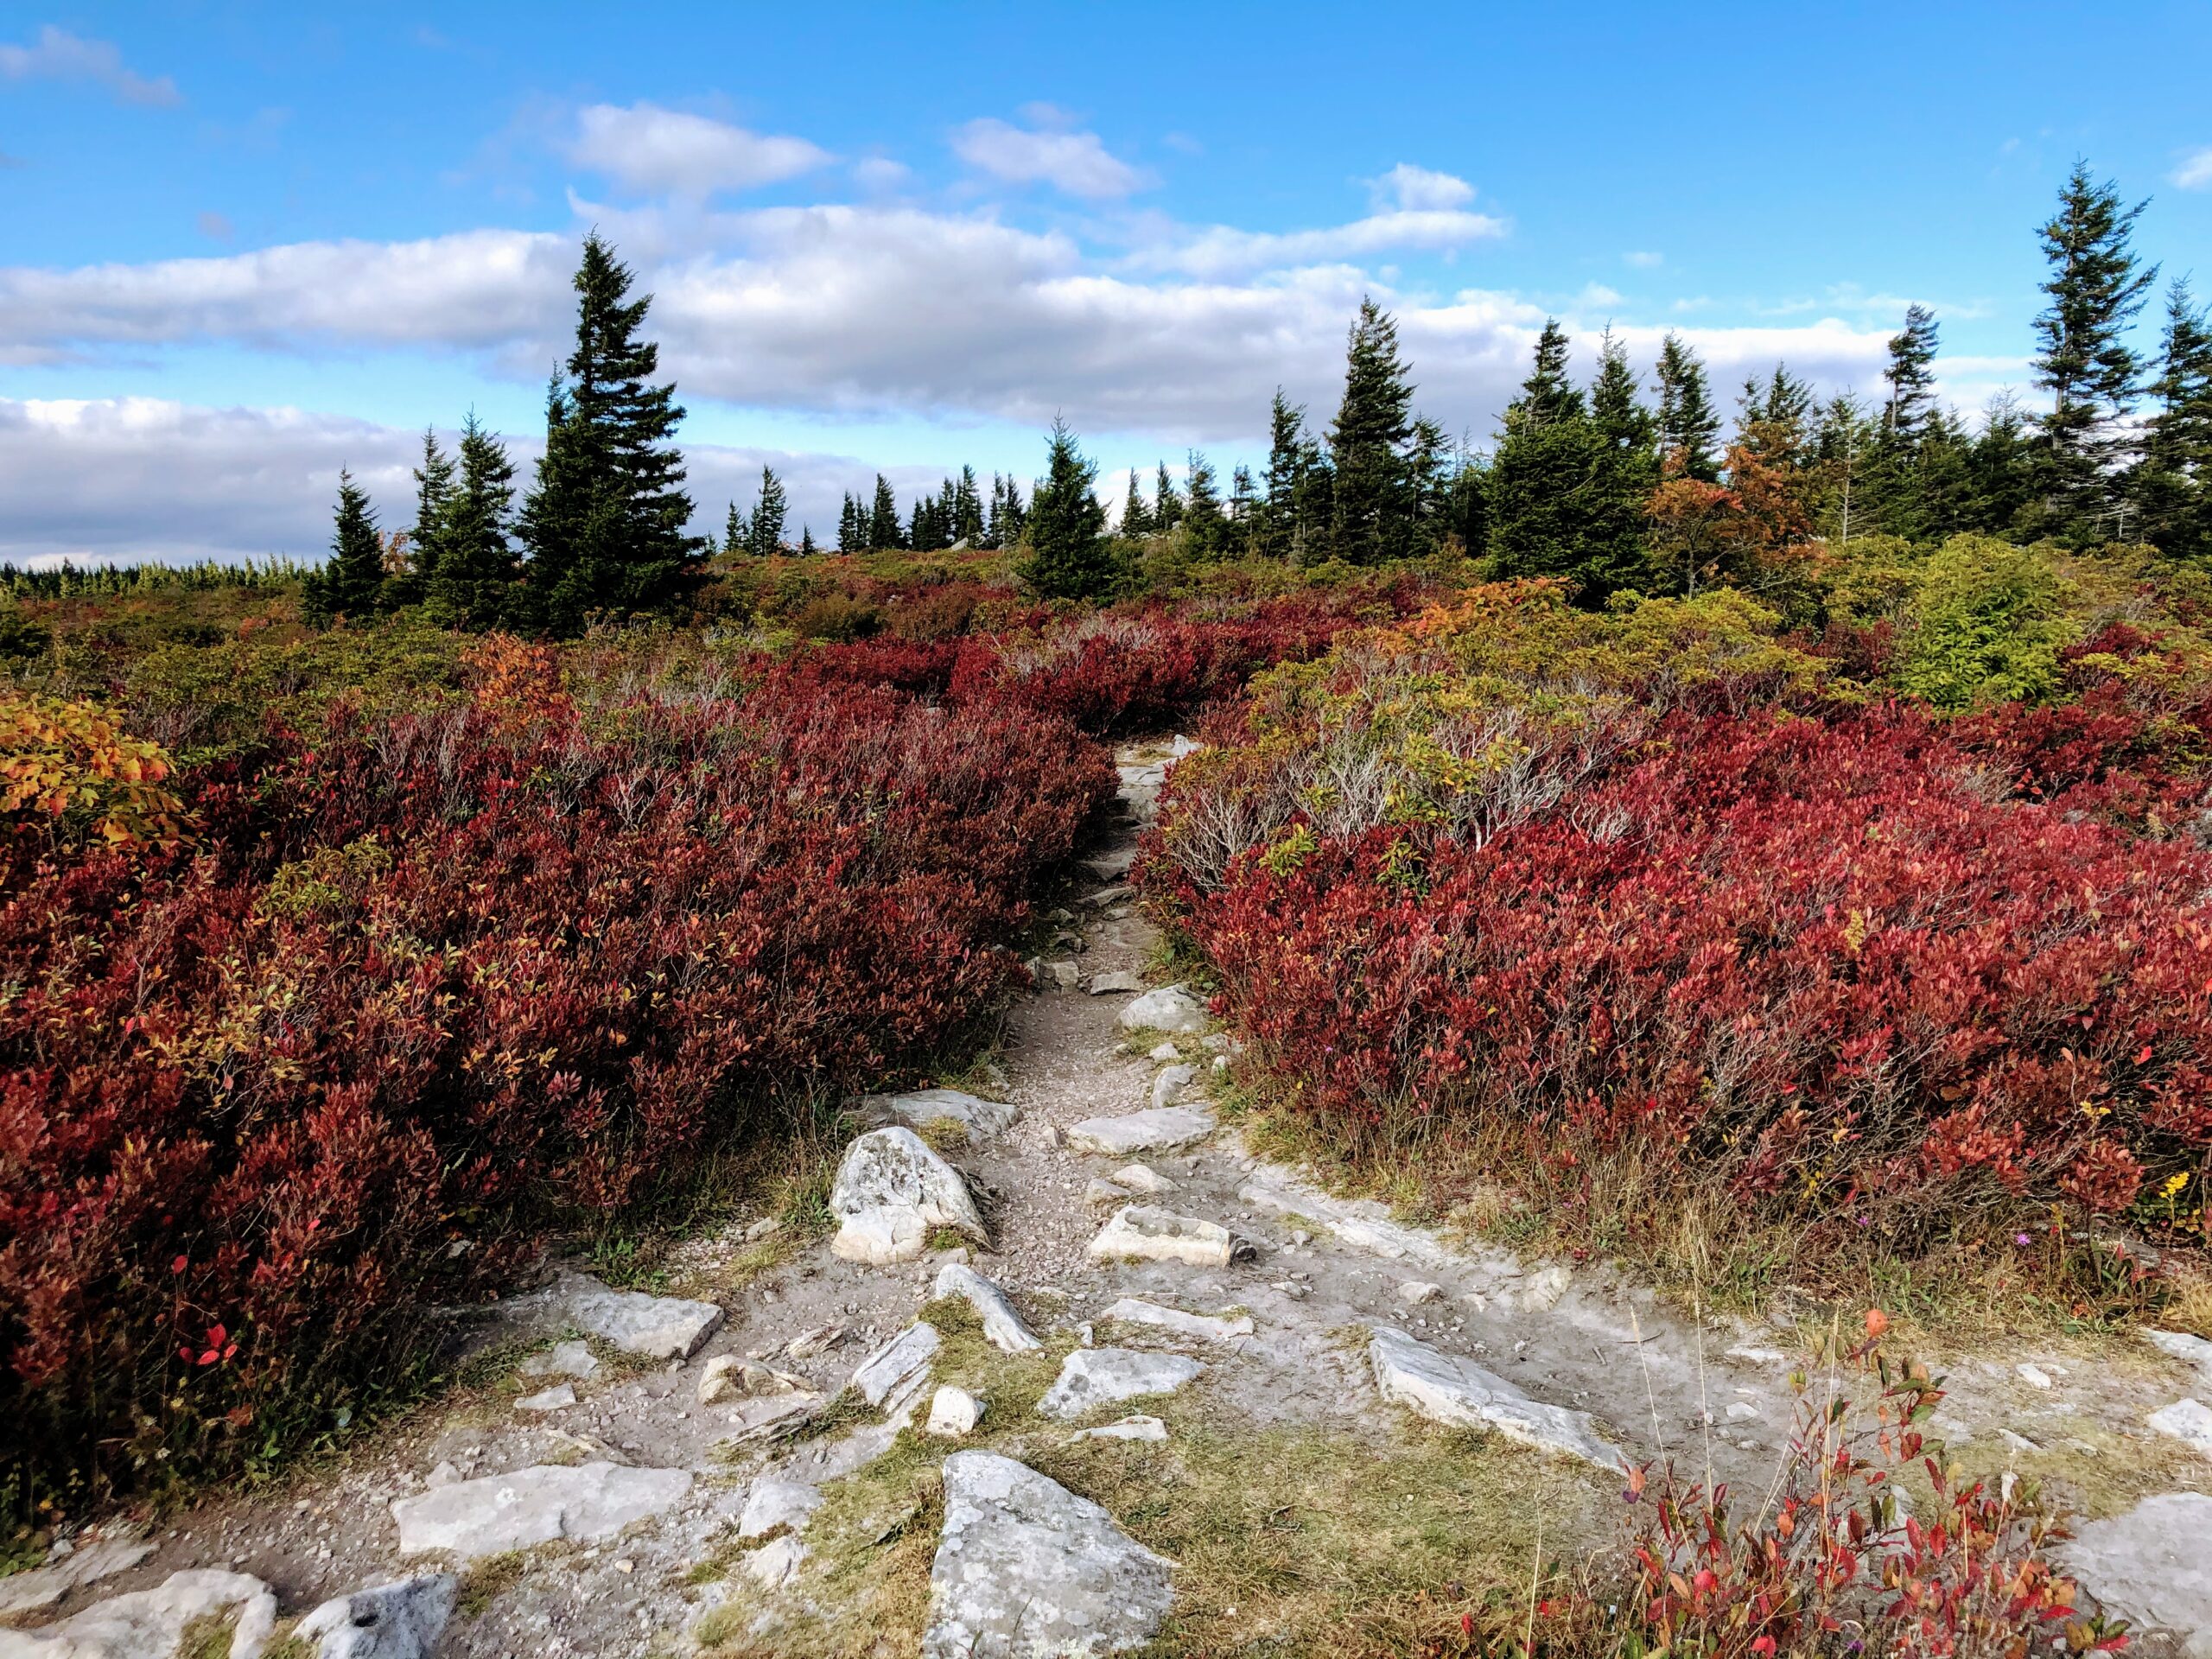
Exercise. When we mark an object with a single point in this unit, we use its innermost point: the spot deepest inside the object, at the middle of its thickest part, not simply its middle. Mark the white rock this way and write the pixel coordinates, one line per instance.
(2034, 1376)
(546, 1399)
(1543, 1289)
(1065, 975)
(954, 1413)
(1139, 1427)
(1002, 1326)
(982, 1118)
(723, 1379)
(1100, 1192)
(2152, 1566)
(2188, 1421)
(891, 1193)
(1183, 745)
(2191, 1350)
(658, 1327)
(1113, 863)
(1741, 1411)
(1414, 1292)
(1091, 1377)
(402, 1620)
(1165, 1052)
(1143, 1178)
(1026, 1569)
(772, 1503)
(893, 1374)
(150, 1623)
(1145, 1131)
(24, 1592)
(766, 1227)
(776, 1563)
(497, 1513)
(1139, 1311)
(820, 1340)
(1140, 1233)
(1462, 1393)
(1170, 1082)
(1118, 981)
(562, 1359)
(1171, 1009)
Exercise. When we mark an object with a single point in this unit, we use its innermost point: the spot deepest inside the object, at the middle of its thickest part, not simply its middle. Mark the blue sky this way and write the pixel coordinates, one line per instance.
(249, 244)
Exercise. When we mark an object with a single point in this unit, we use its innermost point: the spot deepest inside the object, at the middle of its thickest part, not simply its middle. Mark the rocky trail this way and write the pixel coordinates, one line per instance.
(1166, 1395)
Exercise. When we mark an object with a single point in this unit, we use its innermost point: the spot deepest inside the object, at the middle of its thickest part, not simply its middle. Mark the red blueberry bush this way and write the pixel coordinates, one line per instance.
(418, 989)
(1518, 867)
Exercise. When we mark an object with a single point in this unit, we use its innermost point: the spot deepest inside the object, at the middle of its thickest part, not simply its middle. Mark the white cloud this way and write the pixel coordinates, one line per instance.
(880, 173)
(2195, 169)
(667, 152)
(57, 55)
(1220, 249)
(1641, 259)
(1076, 162)
(1419, 189)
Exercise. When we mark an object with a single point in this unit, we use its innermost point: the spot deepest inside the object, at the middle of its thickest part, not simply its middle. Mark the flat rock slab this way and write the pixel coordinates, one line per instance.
(2191, 1350)
(1138, 1427)
(1026, 1569)
(891, 1193)
(1137, 1310)
(150, 1624)
(562, 1359)
(656, 1327)
(1154, 1128)
(1091, 1377)
(1170, 1082)
(1170, 1008)
(982, 1118)
(774, 1503)
(2188, 1421)
(25, 1593)
(1140, 1233)
(893, 1374)
(497, 1513)
(1117, 981)
(1460, 1393)
(1002, 1326)
(388, 1621)
(1143, 1178)
(2152, 1566)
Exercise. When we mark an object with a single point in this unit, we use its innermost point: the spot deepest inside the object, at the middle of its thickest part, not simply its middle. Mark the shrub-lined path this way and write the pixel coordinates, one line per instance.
(737, 1479)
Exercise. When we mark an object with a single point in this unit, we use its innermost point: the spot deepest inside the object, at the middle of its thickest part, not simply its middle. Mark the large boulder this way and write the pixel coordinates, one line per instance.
(498, 1513)
(1170, 1008)
(1002, 1326)
(656, 1327)
(389, 1621)
(1461, 1393)
(1154, 1128)
(1026, 1569)
(892, 1193)
(1091, 1377)
(150, 1624)
(2152, 1566)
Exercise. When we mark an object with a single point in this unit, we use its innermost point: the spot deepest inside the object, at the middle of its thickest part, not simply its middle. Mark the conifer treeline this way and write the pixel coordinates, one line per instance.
(1608, 485)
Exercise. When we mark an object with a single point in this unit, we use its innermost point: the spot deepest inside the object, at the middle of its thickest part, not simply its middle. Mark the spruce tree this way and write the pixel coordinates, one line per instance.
(605, 524)
(2095, 286)
(1910, 373)
(351, 581)
(433, 484)
(736, 538)
(473, 587)
(1069, 556)
(883, 533)
(1286, 456)
(1567, 490)
(765, 537)
(1207, 525)
(1313, 506)
(2172, 487)
(1136, 516)
(1547, 395)
(2003, 471)
(1372, 498)
(1167, 505)
(968, 510)
(807, 549)
(1687, 423)
(1244, 510)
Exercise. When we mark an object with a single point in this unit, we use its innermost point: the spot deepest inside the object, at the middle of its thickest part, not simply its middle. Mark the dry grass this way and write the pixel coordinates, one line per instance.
(486, 1580)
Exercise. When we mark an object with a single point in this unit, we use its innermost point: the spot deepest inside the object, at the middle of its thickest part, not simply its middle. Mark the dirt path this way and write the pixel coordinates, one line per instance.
(1320, 1275)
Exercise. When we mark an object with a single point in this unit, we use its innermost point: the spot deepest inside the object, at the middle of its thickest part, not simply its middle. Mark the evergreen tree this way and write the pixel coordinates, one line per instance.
(1910, 373)
(1136, 516)
(1007, 513)
(1243, 509)
(807, 549)
(2002, 467)
(852, 525)
(1372, 497)
(1687, 423)
(474, 583)
(351, 580)
(883, 533)
(736, 538)
(433, 484)
(1547, 395)
(968, 510)
(2173, 485)
(1837, 494)
(1208, 525)
(1313, 506)
(605, 525)
(1167, 505)
(1568, 488)
(1285, 460)
(2095, 287)
(1069, 555)
(765, 538)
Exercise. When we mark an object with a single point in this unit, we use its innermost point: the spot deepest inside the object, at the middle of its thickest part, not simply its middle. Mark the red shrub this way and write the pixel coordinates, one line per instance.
(445, 980)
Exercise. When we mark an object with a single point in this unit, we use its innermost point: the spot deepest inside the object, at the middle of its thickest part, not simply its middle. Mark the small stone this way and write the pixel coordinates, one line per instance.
(1139, 1427)
(819, 1340)
(1062, 976)
(151, 1623)
(1414, 1292)
(654, 1327)
(1136, 1311)
(1170, 1082)
(1462, 1395)
(893, 1374)
(1543, 1289)
(562, 1359)
(954, 1414)
(1106, 1192)
(546, 1399)
(2034, 1376)
(980, 1118)
(1119, 982)
(1741, 1412)
(1091, 1377)
(721, 1380)
(1165, 1052)
(1002, 1326)
(891, 1193)
(766, 1227)
(776, 1563)
(493, 1514)
(772, 1504)
(1143, 1178)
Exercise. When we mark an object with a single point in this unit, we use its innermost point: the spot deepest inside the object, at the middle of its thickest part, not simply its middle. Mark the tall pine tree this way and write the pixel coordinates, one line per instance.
(1136, 516)
(1689, 425)
(1911, 374)
(1069, 556)
(473, 586)
(2173, 484)
(351, 582)
(1373, 495)
(1285, 460)
(433, 484)
(883, 531)
(765, 538)
(605, 524)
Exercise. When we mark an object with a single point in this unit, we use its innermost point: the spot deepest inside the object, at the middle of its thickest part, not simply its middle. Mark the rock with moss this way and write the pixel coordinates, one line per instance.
(223, 1615)
(1462, 1395)
(891, 1193)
